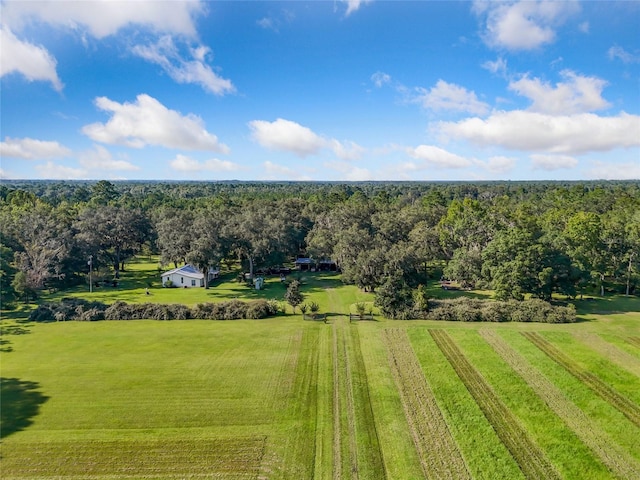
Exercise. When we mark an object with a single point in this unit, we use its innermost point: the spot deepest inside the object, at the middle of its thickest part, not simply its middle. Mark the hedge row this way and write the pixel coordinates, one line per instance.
(465, 309)
(78, 309)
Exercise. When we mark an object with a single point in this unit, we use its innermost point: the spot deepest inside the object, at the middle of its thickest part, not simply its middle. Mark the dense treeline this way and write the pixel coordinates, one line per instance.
(517, 238)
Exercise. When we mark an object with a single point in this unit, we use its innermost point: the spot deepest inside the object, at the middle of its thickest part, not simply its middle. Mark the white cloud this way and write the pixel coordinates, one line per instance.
(186, 164)
(621, 54)
(346, 151)
(380, 78)
(30, 149)
(614, 171)
(102, 18)
(449, 96)
(584, 27)
(523, 25)
(497, 67)
(55, 171)
(577, 94)
(438, 157)
(280, 172)
(32, 61)
(275, 21)
(537, 132)
(287, 136)
(148, 122)
(167, 55)
(101, 159)
(553, 162)
(354, 5)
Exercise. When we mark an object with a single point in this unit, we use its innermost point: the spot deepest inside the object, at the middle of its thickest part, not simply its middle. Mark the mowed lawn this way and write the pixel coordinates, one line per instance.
(286, 398)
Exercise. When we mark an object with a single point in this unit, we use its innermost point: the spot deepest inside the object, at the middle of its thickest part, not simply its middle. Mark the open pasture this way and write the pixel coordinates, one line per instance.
(285, 398)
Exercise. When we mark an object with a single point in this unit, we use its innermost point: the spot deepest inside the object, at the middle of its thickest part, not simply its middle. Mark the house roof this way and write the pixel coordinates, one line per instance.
(186, 270)
(303, 260)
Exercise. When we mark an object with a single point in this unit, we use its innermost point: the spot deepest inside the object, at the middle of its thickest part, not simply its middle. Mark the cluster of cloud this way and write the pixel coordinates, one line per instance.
(559, 123)
(288, 136)
(171, 22)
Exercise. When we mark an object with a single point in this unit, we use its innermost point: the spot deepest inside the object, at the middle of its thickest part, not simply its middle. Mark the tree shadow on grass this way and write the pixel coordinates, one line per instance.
(5, 343)
(21, 402)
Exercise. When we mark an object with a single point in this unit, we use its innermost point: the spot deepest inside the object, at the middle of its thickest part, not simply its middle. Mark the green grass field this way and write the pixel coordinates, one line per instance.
(284, 398)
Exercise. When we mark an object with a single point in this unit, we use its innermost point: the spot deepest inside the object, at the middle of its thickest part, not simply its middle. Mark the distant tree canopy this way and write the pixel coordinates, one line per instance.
(518, 238)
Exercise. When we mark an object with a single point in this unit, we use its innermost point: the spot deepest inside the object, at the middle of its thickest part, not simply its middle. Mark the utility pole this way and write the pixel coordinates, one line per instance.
(90, 262)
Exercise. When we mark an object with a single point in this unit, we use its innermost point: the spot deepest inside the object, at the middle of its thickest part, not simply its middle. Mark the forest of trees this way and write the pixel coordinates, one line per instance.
(517, 238)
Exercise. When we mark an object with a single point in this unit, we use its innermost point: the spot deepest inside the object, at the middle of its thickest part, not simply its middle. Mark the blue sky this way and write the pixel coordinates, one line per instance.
(323, 90)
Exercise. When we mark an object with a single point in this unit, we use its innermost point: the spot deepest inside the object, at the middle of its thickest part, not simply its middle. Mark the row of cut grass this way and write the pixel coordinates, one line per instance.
(233, 458)
(530, 458)
(623, 404)
(438, 453)
(610, 351)
(299, 449)
(612, 455)
(485, 454)
(370, 460)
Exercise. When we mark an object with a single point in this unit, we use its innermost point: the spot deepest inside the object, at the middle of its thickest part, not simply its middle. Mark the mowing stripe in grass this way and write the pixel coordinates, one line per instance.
(348, 440)
(356, 441)
(438, 452)
(337, 432)
(300, 449)
(614, 457)
(237, 458)
(610, 351)
(371, 463)
(635, 341)
(530, 458)
(324, 432)
(623, 404)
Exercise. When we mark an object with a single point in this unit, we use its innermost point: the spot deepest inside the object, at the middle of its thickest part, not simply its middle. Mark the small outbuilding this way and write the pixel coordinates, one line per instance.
(304, 263)
(186, 276)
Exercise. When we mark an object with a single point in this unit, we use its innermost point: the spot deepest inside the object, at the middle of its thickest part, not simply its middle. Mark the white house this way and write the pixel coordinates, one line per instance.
(187, 276)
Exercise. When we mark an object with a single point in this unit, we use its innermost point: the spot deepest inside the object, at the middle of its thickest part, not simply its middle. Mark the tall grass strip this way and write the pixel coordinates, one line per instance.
(530, 458)
(370, 457)
(439, 455)
(623, 404)
(337, 431)
(234, 458)
(610, 351)
(612, 455)
(324, 432)
(300, 449)
(349, 444)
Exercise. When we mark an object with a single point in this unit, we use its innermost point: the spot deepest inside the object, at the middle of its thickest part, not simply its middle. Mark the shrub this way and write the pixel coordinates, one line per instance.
(258, 309)
(117, 311)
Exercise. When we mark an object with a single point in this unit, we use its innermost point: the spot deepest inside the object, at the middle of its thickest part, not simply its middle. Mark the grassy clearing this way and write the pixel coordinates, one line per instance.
(531, 459)
(620, 463)
(286, 398)
(438, 453)
(628, 408)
